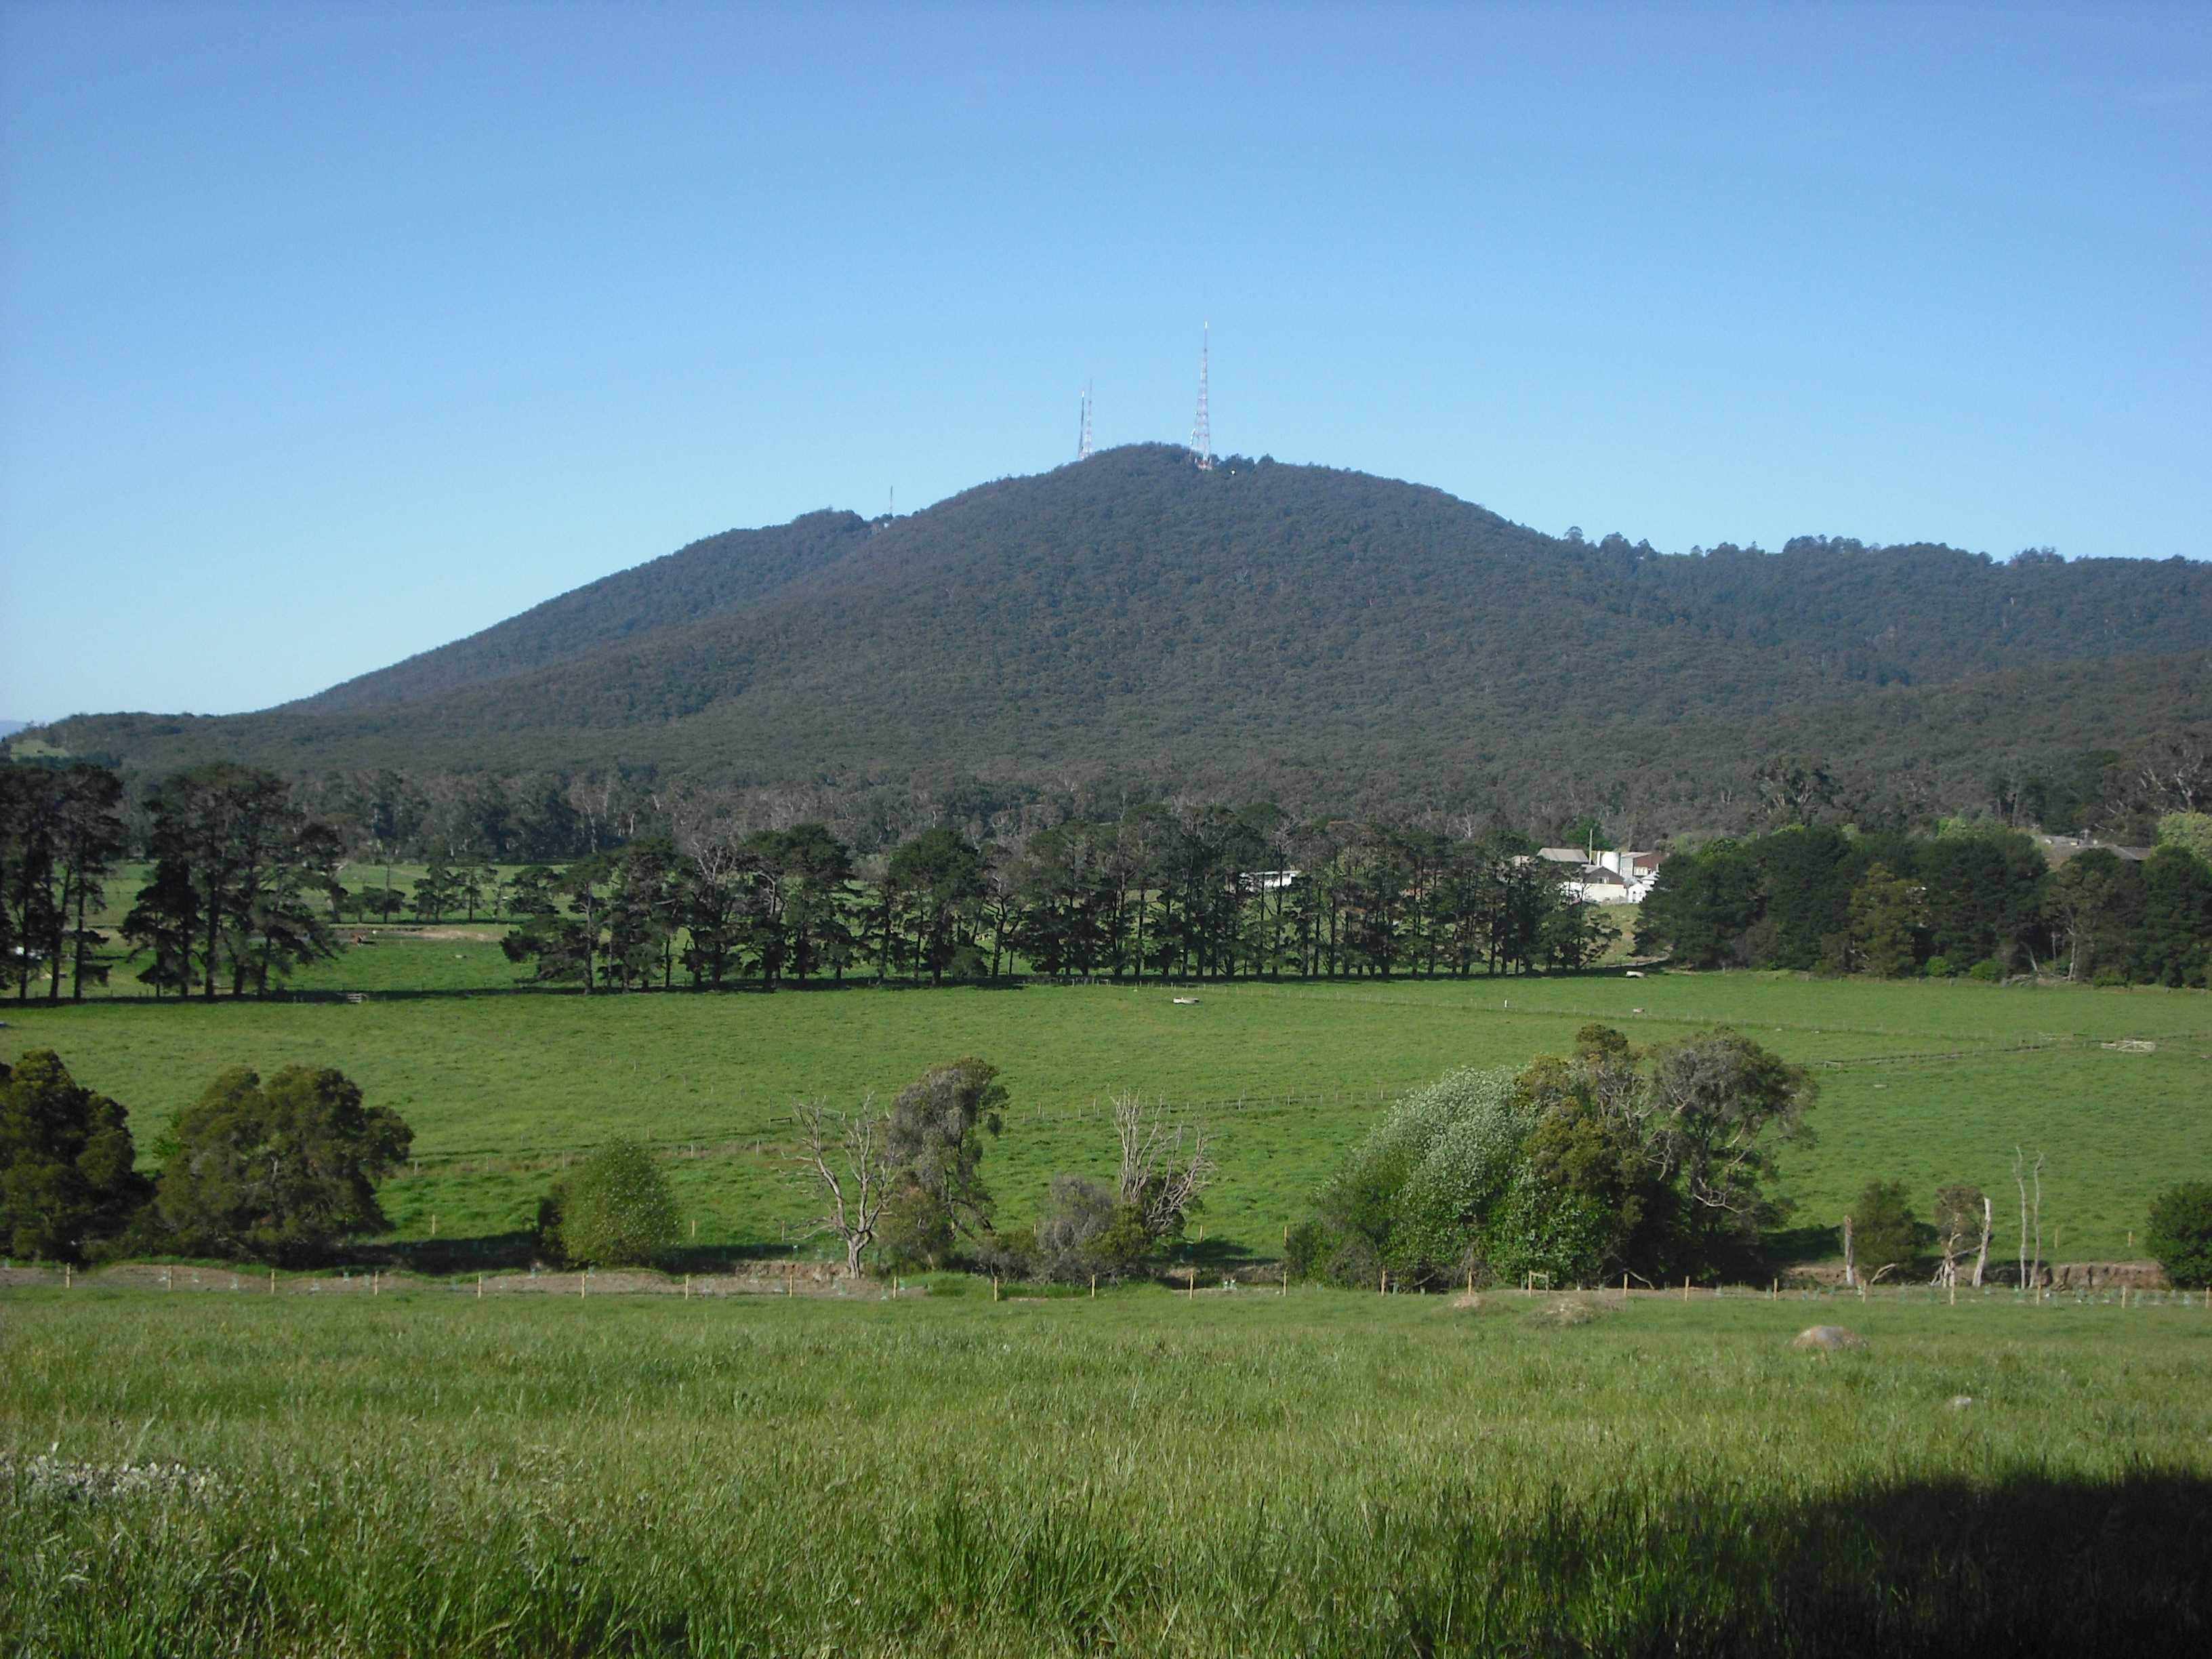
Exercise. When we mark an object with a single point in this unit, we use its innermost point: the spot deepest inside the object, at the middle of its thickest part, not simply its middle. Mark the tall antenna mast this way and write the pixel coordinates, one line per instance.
(1083, 439)
(1201, 435)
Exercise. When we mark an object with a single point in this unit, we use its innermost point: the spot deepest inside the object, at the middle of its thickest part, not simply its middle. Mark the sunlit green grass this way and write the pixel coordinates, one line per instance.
(1925, 1082)
(1322, 1472)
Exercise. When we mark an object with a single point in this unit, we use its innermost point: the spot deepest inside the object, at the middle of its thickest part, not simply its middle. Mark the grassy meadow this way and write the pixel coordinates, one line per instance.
(322, 1471)
(1926, 1081)
(1324, 1473)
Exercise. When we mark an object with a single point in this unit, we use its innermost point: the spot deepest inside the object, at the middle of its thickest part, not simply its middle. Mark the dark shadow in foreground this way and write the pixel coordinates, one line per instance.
(2026, 1565)
(2021, 1566)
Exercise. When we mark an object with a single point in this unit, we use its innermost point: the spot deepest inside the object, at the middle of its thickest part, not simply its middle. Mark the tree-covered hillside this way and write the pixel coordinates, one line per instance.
(717, 574)
(1132, 626)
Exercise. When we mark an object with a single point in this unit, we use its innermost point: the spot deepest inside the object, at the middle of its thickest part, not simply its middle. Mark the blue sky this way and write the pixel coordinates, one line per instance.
(331, 333)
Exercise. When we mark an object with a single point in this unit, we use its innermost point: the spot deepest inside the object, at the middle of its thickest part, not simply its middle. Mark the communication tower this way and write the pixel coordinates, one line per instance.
(1083, 438)
(1202, 434)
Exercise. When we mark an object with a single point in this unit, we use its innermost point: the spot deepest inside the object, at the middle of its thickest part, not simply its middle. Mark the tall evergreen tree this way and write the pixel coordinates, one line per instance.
(236, 863)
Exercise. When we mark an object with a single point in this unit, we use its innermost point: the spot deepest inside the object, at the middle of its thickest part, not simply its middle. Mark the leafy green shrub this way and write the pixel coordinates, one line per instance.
(1425, 1188)
(615, 1209)
(1940, 967)
(1306, 1250)
(1084, 1231)
(2180, 1234)
(933, 1142)
(1886, 1232)
(282, 1173)
(1986, 971)
(1570, 1169)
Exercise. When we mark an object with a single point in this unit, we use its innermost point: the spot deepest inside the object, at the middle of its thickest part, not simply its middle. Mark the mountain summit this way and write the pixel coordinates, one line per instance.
(1133, 624)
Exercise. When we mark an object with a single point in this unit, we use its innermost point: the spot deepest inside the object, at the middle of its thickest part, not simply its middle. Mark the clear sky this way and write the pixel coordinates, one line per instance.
(331, 333)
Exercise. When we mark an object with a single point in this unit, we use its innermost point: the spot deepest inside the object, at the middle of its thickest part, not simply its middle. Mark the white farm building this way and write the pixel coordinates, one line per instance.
(1609, 878)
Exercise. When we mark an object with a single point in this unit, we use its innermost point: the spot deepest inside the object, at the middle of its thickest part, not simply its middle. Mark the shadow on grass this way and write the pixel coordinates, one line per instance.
(1793, 1247)
(2024, 1566)
(1222, 1254)
(505, 1252)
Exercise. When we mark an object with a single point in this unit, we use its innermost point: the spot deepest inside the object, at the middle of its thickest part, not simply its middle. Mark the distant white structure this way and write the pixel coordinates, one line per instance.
(1610, 877)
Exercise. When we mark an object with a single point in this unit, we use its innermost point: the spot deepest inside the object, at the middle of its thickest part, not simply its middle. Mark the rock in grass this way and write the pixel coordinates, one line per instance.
(1471, 1300)
(1824, 1337)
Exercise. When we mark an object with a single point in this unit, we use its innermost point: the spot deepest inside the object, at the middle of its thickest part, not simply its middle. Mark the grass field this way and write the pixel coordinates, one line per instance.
(424, 1471)
(1322, 1473)
(1926, 1081)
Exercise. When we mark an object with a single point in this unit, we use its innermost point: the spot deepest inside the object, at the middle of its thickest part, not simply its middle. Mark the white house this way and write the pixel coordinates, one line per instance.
(1610, 877)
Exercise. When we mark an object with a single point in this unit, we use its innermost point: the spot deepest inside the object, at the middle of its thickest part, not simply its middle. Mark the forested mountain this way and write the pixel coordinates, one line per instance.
(717, 574)
(1132, 626)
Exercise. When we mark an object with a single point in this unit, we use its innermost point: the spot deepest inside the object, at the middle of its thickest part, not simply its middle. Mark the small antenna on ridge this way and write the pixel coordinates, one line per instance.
(1083, 439)
(1201, 435)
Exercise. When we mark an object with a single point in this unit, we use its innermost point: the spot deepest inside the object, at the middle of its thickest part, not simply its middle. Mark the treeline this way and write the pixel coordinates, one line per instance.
(243, 890)
(249, 882)
(1194, 893)
(1975, 900)
(246, 886)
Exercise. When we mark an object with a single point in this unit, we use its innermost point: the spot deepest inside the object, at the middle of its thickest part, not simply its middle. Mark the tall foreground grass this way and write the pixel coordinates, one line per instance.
(1243, 1474)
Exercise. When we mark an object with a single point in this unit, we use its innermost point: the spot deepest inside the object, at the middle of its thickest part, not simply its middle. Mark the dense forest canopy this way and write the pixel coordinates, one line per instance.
(1132, 627)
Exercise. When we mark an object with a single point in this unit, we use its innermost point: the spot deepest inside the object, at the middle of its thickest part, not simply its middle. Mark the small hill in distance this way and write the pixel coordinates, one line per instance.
(1132, 626)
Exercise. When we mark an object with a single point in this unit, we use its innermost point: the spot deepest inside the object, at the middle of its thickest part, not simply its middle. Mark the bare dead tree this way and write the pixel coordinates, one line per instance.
(2035, 1265)
(1982, 1255)
(1159, 1178)
(2031, 1216)
(1957, 1211)
(848, 1158)
(1851, 1263)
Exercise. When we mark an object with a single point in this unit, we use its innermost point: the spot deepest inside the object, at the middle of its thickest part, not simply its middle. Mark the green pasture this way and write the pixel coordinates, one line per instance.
(1928, 1082)
(1324, 1474)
